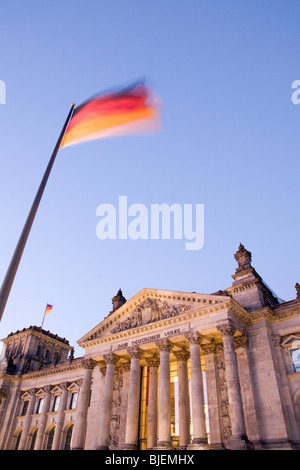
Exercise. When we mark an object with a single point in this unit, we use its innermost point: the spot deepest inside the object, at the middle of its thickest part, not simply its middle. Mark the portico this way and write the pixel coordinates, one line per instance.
(163, 357)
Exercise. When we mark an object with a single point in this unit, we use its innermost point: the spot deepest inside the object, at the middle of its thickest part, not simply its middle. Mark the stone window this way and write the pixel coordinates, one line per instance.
(56, 403)
(40, 406)
(291, 344)
(18, 440)
(73, 403)
(68, 438)
(33, 439)
(50, 438)
(295, 353)
(25, 406)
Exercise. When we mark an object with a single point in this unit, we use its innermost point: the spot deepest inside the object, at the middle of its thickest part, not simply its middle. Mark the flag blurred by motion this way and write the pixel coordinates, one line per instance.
(133, 110)
(48, 309)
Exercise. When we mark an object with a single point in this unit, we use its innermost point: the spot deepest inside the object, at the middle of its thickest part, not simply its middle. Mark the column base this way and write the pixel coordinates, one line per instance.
(274, 444)
(102, 448)
(130, 447)
(199, 444)
(238, 443)
(163, 445)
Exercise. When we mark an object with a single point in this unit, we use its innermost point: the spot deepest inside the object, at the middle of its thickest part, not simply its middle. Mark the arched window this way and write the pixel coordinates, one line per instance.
(50, 438)
(33, 439)
(18, 440)
(69, 437)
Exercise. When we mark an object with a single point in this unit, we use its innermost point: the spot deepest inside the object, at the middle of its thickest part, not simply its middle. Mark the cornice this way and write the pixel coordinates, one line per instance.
(78, 363)
(58, 342)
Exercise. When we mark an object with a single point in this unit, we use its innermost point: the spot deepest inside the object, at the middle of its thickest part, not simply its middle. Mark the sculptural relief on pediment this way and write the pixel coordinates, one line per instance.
(149, 311)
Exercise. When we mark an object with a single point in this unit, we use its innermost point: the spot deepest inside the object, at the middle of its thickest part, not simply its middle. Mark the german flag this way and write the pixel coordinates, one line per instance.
(48, 309)
(130, 111)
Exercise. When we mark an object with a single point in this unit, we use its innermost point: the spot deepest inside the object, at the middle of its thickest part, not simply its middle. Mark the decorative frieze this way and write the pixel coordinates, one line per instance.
(149, 311)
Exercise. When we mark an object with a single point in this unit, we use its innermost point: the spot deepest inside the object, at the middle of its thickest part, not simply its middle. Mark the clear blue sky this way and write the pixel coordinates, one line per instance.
(230, 140)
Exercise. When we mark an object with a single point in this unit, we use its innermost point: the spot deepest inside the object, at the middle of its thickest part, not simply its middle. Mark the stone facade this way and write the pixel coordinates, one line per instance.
(164, 370)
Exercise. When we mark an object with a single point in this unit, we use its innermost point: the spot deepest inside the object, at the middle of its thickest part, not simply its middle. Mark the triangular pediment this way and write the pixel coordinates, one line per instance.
(291, 340)
(150, 306)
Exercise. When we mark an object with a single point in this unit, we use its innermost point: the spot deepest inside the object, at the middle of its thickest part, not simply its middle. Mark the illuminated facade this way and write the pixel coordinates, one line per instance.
(164, 370)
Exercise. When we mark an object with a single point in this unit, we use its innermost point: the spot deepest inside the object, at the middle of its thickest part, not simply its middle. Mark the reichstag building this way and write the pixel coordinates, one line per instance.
(164, 370)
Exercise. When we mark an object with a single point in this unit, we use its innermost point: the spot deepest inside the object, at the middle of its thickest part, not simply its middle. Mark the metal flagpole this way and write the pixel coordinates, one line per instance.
(12, 269)
(44, 316)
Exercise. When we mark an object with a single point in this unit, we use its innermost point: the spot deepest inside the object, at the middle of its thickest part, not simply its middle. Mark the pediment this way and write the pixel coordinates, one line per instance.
(56, 390)
(150, 306)
(291, 341)
(73, 387)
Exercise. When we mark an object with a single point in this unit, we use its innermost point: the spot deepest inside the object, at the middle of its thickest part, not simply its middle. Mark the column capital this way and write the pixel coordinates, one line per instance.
(226, 328)
(153, 361)
(164, 345)
(209, 348)
(63, 385)
(193, 337)
(88, 364)
(241, 342)
(276, 339)
(134, 352)
(111, 358)
(3, 394)
(182, 355)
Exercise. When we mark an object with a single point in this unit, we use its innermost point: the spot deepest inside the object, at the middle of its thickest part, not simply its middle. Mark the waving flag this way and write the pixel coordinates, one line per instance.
(48, 309)
(130, 111)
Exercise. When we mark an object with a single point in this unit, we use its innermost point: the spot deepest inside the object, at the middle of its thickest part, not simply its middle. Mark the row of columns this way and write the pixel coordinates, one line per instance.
(159, 410)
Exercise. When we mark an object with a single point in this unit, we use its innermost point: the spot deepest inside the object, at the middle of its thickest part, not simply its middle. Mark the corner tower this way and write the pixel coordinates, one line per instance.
(248, 288)
(32, 348)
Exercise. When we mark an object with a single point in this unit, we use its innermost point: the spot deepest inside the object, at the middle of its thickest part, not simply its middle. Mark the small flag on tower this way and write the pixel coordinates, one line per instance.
(48, 309)
(133, 110)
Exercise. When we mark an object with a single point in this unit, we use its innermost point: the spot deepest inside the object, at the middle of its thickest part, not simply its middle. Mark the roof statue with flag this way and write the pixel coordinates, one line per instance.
(133, 110)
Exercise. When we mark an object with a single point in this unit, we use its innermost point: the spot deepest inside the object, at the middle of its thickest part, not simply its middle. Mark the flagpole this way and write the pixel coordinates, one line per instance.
(13, 266)
(44, 316)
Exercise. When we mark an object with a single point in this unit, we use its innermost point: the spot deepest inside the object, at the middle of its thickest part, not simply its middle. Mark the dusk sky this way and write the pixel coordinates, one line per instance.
(230, 140)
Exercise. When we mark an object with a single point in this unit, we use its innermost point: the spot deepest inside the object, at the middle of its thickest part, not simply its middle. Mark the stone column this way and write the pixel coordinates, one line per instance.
(78, 438)
(238, 438)
(241, 350)
(105, 414)
(133, 404)
(60, 416)
(197, 393)
(164, 396)
(153, 364)
(183, 399)
(27, 420)
(212, 396)
(43, 419)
